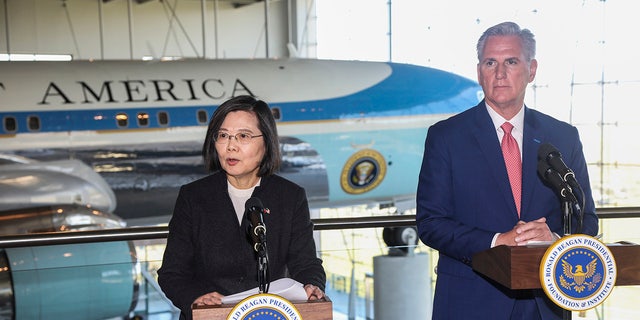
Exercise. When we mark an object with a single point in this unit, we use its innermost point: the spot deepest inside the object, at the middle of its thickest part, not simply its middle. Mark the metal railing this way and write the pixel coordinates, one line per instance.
(142, 233)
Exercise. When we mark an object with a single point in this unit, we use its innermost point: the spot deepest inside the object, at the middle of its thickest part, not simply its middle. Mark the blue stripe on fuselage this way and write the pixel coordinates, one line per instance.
(409, 90)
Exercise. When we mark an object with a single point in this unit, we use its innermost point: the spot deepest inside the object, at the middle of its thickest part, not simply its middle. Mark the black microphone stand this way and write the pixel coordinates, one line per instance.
(567, 211)
(263, 263)
(569, 204)
(579, 207)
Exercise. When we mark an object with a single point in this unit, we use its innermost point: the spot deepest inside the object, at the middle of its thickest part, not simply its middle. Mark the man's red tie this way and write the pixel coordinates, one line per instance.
(511, 154)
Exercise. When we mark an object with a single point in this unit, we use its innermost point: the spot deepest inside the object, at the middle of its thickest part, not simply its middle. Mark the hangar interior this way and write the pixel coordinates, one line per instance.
(276, 29)
(137, 29)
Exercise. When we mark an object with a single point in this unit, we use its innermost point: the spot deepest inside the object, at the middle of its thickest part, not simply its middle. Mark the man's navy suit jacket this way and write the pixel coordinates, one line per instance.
(464, 198)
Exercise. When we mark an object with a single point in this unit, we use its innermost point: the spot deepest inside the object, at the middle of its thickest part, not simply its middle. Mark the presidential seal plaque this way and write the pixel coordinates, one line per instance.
(264, 306)
(578, 272)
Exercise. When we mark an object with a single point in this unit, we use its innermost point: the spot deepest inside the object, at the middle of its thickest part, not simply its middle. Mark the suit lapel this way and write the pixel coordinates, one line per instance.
(487, 140)
(532, 138)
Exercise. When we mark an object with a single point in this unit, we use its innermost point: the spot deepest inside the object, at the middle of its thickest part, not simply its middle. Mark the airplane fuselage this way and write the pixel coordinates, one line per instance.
(350, 132)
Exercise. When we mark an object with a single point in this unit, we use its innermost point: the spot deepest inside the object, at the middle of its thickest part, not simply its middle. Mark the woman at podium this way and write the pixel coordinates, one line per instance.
(209, 252)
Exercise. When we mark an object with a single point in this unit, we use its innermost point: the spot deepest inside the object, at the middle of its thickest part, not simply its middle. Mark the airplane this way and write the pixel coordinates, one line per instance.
(350, 131)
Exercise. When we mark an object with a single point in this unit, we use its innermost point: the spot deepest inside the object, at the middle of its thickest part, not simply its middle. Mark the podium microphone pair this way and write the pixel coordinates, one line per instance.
(258, 230)
(561, 178)
(254, 211)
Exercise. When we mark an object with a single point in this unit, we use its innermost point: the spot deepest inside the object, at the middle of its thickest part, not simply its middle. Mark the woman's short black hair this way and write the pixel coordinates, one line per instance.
(266, 124)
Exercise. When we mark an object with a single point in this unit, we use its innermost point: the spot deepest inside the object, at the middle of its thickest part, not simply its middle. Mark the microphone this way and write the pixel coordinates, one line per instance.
(553, 157)
(557, 183)
(258, 230)
(253, 211)
(561, 178)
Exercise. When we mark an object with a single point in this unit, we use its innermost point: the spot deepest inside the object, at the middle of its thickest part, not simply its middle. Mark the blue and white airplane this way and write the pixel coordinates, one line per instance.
(350, 131)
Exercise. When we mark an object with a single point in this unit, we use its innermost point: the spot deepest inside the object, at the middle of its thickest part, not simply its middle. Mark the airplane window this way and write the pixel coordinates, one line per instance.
(203, 118)
(33, 123)
(276, 113)
(122, 120)
(143, 119)
(163, 118)
(10, 124)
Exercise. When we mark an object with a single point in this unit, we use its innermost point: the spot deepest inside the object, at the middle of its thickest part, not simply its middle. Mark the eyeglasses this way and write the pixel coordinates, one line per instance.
(242, 137)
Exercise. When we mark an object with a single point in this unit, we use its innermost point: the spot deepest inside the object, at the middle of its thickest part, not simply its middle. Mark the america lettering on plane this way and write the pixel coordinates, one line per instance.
(132, 91)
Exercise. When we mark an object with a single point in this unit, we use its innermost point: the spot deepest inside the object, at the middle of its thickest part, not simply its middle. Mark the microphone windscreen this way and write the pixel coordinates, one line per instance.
(545, 149)
(542, 169)
(252, 202)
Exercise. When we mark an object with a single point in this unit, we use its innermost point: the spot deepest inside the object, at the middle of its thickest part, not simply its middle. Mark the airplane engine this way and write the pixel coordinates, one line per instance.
(77, 281)
(57, 218)
(35, 183)
(67, 281)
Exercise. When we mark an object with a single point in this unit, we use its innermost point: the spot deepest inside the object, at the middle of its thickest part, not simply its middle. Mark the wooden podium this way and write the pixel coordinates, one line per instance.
(309, 310)
(519, 267)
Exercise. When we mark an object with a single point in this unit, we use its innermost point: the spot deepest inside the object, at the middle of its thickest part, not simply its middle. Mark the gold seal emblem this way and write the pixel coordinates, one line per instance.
(264, 306)
(578, 272)
(363, 171)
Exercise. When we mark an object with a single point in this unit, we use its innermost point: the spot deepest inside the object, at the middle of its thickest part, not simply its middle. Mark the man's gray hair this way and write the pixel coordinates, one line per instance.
(509, 29)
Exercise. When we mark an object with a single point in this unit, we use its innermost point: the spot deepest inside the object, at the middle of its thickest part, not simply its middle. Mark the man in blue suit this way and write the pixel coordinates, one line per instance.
(466, 202)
